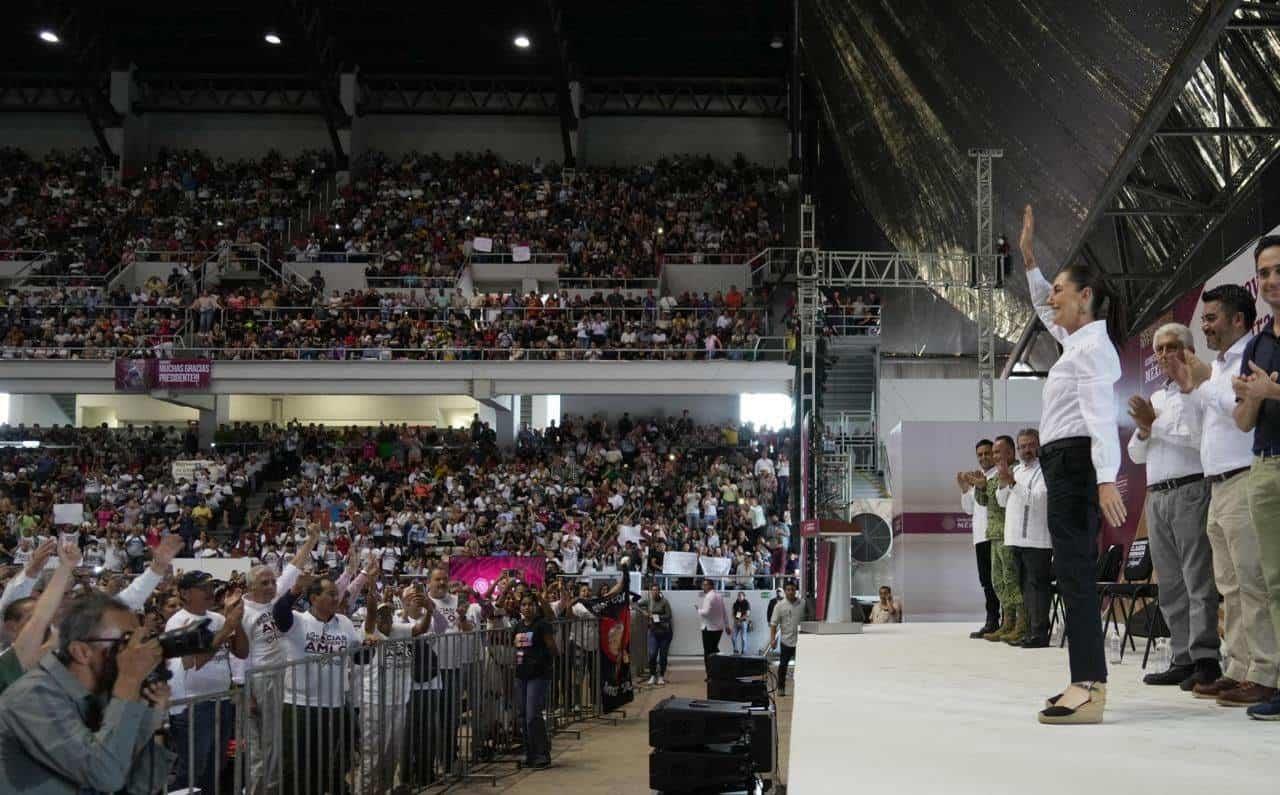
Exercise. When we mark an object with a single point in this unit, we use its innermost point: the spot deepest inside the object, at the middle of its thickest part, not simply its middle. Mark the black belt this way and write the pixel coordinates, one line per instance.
(1225, 475)
(1059, 445)
(1169, 485)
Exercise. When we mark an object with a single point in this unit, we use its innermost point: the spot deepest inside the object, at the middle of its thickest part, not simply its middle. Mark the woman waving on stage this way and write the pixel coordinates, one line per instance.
(1080, 457)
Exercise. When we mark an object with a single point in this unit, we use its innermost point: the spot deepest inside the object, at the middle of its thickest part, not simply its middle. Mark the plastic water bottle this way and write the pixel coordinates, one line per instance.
(1055, 637)
(1115, 647)
(1161, 655)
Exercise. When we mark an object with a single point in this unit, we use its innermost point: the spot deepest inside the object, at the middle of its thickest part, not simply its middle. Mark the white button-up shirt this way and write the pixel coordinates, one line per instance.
(979, 512)
(1026, 504)
(1079, 395)
(1223, 446)
(1173, 448)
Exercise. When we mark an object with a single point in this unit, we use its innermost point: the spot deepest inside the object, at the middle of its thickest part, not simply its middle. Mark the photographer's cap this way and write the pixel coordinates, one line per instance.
(194, 579)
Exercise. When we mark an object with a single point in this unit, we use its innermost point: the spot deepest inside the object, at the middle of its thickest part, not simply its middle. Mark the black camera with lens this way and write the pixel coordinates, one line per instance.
(194, 638)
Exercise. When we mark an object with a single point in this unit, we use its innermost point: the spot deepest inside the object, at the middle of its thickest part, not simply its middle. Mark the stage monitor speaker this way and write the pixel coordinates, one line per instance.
(736, 666)
(753, 691)
(699, 771)
(692, 723)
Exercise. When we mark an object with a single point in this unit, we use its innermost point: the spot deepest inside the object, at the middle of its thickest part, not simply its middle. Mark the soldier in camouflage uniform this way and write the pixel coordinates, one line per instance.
(1004, 576)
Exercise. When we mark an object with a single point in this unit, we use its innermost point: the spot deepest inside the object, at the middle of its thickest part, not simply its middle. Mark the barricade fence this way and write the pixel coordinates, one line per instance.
(403, 714)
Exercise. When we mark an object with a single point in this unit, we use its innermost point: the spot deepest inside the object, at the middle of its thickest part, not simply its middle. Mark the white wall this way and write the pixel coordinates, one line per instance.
(520, 138)
(704, 409)
(36, 410)
(39, 133)
(629, 140)
(699, 279)
(235, 135)
(123, 409)
(939, 578)
(354, 409)
(1017, 400)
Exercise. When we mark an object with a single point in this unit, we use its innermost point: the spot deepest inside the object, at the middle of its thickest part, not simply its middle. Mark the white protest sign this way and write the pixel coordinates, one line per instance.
(68, 513)
(715, 567)
(681, 563)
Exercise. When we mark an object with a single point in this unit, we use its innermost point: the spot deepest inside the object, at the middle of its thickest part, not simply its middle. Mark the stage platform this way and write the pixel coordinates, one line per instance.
(921, 708)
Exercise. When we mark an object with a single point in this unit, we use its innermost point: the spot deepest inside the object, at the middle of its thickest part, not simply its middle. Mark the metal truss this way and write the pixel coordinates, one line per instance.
(430, 94)
(28, 92)
(625, 96)
(196, 93)
(879, 269)
(986, 275)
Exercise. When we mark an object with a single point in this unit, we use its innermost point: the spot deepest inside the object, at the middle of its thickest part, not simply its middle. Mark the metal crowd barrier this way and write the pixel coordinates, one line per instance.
(409, 715)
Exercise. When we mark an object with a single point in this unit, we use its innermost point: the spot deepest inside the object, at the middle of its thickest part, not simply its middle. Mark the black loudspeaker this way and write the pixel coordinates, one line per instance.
(700, 771)
(693, 724)
(735, 666)
(753, 691)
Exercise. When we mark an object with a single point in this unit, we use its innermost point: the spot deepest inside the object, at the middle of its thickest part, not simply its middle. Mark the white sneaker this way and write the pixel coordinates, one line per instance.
(653, 680)
(661, 680)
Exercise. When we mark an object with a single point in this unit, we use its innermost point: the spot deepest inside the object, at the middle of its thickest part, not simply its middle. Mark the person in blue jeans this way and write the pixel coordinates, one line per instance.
(741, 623)
(658, 611)
(535, 645)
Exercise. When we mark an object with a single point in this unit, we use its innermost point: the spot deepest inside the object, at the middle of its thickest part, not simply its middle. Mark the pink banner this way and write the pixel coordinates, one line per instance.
(178, 375)
(181, 374)
(958, 523)
(480, 574)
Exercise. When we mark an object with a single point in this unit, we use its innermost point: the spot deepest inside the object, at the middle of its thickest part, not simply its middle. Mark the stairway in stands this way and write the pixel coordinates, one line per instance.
(67, 403)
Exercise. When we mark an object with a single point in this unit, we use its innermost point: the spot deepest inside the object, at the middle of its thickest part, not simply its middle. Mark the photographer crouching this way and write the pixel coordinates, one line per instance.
(85, 719)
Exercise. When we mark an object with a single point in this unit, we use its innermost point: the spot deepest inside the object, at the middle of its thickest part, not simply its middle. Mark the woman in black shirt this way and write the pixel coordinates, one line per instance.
(741, 623)
(535, 646)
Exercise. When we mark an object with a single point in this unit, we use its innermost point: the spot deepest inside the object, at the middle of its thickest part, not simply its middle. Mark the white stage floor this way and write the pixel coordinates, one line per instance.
(921, 708)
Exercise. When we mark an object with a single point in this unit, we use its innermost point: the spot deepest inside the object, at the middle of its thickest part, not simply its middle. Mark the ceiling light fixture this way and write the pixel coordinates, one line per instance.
(776, 43)
(522, 41)
(49, 37)
(272, 38)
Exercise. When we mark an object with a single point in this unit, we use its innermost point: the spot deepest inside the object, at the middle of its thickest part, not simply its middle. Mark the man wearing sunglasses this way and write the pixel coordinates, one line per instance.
(84, 720)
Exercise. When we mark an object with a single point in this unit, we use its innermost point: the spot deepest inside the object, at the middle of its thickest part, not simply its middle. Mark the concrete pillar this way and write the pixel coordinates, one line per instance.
(130, 140)
(212, 418)
(354, 138)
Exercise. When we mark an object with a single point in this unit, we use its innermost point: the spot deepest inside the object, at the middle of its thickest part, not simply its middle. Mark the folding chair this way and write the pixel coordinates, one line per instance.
(1106, 572)
(1149, 621)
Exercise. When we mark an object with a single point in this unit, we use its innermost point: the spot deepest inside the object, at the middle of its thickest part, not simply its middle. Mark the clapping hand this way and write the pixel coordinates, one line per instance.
(1143, 413)
(1258, 385)
(1004, 472)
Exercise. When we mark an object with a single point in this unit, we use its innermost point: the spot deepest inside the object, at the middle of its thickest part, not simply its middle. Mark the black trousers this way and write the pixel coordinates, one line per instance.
(1035, 573)
(1074, 521)
(982, 551)
(710, 646)
(785, 655)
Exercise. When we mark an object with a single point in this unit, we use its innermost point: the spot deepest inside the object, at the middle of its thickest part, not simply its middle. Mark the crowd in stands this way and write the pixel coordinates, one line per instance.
(448, 325)
(407, 494)
(408, 219)
(418, 216)
(184, 201)
(298, 321)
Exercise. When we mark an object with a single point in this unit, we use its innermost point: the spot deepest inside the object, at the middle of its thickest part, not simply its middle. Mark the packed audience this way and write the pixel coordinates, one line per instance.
(184, 201)
(358, 513)
(419, 215)
(295, 321)
(449, 325)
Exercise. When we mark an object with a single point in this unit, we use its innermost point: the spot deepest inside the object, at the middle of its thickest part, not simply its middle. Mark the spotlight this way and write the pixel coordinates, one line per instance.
(776, 42)
(49, 37)
(522, 41)
(271, 38)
